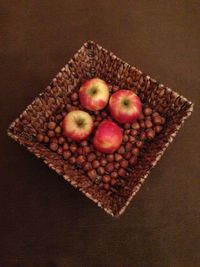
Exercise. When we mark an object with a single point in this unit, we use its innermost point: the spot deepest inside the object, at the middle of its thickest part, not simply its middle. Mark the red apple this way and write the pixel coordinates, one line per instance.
(77, 125)
(94, 94)
(125, 106)
(108, 137)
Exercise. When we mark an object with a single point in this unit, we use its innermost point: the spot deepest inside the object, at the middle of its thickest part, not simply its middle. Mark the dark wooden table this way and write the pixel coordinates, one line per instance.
(44, 222)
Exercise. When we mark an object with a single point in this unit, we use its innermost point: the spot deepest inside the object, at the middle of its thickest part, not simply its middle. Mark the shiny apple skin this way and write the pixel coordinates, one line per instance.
(108, 137)
(94, 101)
(71, 127)
(125, 113)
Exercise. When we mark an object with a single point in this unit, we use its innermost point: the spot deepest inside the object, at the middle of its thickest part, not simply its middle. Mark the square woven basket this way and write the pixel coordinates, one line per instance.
(90, 61)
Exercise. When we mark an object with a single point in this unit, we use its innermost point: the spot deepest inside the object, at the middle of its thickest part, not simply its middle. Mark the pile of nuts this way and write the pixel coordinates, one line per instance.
(108, 171)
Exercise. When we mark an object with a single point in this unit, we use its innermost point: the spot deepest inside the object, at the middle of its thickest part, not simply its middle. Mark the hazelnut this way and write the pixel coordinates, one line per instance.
(75, 103)
(110, 157)
(125, 138)
(74, 96)
(46, 139)
(155, 114)
(113, 182)
(103, 162)
(142, 124)
(51, 125)
(141, 116)
(118, 157)
(86, 150)
(80, 150)
(150, 133)
(157, 120)
(114, 174)
(148, 118)
(92, 148)
(121, 150)
(128, 146)
(106, 187)
(53, 146)
(53, 140)
(80, 160)
(66, 154)
(139, 144)
(69, 139)
(106, 178)
(143, 136)
(98, 153)
(98, 179)
(117, 165)
(91, 157)
(60, 150)
(148, 111)
(132, 139)
(92, 174)
(133, 160)
(121, 172)
(124, 163)
(87, 166)
(101, 185)
(51, 133)
(148, 124)
(68, 107)
(61, 140)
(72, 160)
(59, 117)
(84, 143)
(65, 146)
(135, 126)
(127, 126)
(127, 132)
(40, 137)
(134, 132)
(95, 164)
(135, 151)
(101, 170)
(73, 148)
(127, 155)
(58, 130)
(109, 167)
(158, 128)
(163, 120)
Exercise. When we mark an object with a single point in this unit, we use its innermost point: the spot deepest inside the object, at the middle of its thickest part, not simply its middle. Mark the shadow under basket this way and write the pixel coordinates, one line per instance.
(94, 61)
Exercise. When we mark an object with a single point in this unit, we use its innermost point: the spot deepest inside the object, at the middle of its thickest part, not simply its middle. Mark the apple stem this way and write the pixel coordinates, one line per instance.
(126, 102)
(93, 90)
(80, 122)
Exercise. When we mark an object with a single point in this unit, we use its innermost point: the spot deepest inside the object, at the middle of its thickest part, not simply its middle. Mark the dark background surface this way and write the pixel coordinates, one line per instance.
(44, 222)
